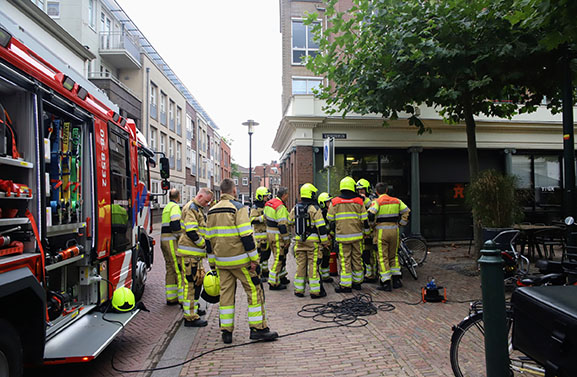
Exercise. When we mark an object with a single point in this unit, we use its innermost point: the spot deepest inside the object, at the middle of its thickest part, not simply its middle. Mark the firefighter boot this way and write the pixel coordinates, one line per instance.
(284, 280)
(226, 337)
(397, 283)
(279, 287)
(341, 289)
(262, 334)
(196, 323)
(357, 286)
(385, 286)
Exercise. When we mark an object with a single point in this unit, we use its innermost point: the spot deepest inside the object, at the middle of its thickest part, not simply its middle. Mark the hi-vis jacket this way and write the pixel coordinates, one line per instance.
(389, 212)
(192, 242)
(350, 217)
(229, 232)
(317, 230)
(276, 217)
(258, 222)
(171, 217)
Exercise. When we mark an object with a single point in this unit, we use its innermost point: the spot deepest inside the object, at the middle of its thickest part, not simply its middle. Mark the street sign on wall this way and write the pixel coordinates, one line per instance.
(329, 152)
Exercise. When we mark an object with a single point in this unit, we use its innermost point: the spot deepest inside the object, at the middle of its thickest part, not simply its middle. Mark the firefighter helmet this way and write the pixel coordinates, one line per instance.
(261, 193)
(324, 197)
(308, 191)
(123, 299)
(347, 183)
(211, 287)
(364, 184)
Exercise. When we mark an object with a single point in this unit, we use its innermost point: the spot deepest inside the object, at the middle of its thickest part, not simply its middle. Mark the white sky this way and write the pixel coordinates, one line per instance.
(228, 54)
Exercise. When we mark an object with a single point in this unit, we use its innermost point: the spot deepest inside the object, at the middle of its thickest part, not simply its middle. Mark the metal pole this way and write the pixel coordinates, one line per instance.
(568, 138)
(329, 180)
(250, 166)
(494, 314)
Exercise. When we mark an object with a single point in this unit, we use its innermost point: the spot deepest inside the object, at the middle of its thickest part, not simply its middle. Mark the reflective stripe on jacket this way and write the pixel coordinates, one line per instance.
(258, 224)
(350, 217)
(318, 231)
(276, 216)
(193, 221)
(389, 210)
(170, 213)
(230, 234)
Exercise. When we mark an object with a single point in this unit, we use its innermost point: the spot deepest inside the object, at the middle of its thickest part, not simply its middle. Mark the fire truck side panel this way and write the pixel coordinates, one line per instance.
(103, 241)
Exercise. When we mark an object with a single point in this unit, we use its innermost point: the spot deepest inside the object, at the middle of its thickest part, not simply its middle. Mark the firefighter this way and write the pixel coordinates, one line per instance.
(389, 213)
(369, 255)
(262, 195)
(169, 234)
(311, 231)
(324, 203)
(230, 235)
(351, 223)
(192, 249)
(276, 217)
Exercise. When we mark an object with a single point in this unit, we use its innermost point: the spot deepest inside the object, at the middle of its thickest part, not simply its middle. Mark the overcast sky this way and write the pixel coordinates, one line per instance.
(228, 54)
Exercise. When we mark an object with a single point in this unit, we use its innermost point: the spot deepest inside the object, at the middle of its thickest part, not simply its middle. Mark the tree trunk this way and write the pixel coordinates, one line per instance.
(473, 168)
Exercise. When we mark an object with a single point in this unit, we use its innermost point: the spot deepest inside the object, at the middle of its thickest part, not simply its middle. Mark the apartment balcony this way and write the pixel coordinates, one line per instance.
(119, 50)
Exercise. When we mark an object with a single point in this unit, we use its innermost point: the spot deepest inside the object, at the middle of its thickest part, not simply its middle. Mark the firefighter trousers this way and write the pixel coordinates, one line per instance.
(369, 259)
(325, 262)
(192, 278)
(307, 258)
(250, 282)
(350, 255)
(264, 252)
(173, 278)
(278, 269)
(387, 241)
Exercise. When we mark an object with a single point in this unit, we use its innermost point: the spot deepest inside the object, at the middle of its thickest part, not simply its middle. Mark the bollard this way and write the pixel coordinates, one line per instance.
(494, 312)
(333, 271)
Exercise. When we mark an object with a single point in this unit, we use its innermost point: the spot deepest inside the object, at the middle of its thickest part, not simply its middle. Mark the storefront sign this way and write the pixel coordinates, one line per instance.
(335, 136)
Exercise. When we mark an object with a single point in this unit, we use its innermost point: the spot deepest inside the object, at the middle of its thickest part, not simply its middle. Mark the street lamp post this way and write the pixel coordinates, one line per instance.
(250, 124)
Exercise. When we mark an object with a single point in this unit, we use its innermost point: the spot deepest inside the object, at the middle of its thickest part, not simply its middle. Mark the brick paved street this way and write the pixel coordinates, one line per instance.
(408, 341)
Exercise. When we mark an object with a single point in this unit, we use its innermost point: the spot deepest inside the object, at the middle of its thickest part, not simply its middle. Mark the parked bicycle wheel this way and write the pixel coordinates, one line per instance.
(418, 247)
(468, 350)
(406, 260)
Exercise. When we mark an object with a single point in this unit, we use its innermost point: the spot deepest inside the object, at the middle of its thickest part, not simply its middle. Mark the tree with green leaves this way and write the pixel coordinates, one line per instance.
(459, 56)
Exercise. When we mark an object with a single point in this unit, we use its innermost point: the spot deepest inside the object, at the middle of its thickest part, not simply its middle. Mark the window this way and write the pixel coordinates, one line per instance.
(178, 156)
(39, 3)
(119, 190)
(302, 85)
(163, 142)
(162, 108)
(153, 138)
(189, 127)
(244, 181)
(171, 115)
(303, 44)
(153, 91)
(178, 120)
(53, 9)
(91, 14)
(171, 152)
(188, 156)
(235, 181)
(193, 163)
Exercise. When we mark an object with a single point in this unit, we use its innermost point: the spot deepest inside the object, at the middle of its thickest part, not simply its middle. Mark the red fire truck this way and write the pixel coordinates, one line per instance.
(75, 213)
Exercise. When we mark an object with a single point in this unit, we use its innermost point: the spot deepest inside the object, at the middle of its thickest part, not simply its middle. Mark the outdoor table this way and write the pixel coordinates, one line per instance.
(529, 231)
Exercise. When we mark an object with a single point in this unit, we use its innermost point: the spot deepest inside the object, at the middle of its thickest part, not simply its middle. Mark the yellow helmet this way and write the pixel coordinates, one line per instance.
(324, 197)
(308, 191)
(261, 193)
(363, 184)
(347, 183)
(123, 299)
(211, 287)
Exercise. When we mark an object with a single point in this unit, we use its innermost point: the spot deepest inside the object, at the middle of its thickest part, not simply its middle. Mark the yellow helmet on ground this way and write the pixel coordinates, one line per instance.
(123, 299)
(211, 287)
(308, 191)
(324, 197)
(363, 184)
(261, 193)
(347, 183)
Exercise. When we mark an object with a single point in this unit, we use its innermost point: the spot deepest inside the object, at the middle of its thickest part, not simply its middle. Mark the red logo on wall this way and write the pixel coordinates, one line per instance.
(458, 191)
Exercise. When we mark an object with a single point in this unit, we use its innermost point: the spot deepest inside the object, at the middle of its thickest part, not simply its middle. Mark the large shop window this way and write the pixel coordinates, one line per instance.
(539, 185)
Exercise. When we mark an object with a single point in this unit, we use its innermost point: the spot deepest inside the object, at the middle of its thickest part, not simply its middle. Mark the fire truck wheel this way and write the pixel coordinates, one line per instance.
(10, 350)
(140, 275)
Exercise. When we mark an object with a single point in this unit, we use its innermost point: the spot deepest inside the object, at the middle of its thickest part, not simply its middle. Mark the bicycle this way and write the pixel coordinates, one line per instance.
(467, 352)
(412, 253)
